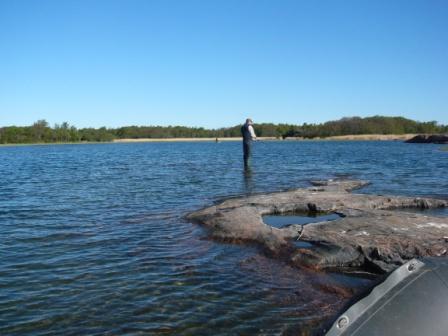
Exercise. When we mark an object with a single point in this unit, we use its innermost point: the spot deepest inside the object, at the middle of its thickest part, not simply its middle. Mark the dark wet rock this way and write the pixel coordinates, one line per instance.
(373, 232)
(425, 138)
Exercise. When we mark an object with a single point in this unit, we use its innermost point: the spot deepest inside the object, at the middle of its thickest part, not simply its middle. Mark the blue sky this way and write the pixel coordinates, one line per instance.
(212, 63)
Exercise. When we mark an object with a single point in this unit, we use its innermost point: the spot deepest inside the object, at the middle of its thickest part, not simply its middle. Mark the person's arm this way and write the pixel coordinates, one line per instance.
(252, 132)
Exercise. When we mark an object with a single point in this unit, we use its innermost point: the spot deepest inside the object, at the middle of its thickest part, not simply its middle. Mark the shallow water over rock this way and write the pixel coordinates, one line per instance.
(437, 212)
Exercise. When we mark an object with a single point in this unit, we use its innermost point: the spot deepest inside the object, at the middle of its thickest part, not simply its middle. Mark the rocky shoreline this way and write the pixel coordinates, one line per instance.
(429, 138)
(374, 232)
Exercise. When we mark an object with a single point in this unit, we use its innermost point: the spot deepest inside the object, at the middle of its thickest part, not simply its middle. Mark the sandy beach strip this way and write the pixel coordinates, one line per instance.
(186, 139)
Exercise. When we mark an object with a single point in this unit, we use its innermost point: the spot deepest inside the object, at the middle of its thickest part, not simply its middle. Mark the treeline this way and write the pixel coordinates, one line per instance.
(41, 132)
(368, 125)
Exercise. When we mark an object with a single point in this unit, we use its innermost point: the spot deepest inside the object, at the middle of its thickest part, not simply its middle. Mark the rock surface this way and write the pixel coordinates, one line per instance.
(425, 138)
(374, 232)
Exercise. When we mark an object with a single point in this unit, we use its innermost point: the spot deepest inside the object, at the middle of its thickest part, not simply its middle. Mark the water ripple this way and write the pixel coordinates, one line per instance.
(93, 241)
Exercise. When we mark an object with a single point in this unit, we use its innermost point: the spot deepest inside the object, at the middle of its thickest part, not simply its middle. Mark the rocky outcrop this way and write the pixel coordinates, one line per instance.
(374, 232)
(425, 138)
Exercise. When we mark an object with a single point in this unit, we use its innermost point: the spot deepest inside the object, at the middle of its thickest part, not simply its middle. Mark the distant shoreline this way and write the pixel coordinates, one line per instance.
(367, 137)
(359, 137)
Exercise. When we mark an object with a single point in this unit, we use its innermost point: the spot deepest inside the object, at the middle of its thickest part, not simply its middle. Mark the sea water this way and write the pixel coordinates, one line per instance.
(93, 238)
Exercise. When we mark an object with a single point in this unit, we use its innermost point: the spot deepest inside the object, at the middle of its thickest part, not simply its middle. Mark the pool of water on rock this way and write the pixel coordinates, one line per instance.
(283, 220)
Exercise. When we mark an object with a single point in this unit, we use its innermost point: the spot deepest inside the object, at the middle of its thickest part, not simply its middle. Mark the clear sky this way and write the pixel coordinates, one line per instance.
(212, 63)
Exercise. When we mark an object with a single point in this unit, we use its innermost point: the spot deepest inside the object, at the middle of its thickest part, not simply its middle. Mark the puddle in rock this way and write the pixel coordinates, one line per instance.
(280, 221)
(302, 244)
(283, 220)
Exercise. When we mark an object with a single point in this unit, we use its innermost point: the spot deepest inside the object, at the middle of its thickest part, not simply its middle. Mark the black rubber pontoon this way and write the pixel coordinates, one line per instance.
(413, 300)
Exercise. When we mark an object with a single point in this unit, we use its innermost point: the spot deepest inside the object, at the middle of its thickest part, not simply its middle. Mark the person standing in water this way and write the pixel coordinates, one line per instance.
(248, 133)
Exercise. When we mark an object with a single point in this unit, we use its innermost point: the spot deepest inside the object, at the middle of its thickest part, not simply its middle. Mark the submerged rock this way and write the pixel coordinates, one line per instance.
(373, 233)
(425, 138)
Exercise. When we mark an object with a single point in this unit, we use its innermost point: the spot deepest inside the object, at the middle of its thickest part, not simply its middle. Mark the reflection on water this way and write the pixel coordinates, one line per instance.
(249, 186)
(93, 239)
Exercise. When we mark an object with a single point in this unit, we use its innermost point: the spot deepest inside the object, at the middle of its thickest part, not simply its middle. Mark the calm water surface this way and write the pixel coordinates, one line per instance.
(93, 240)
